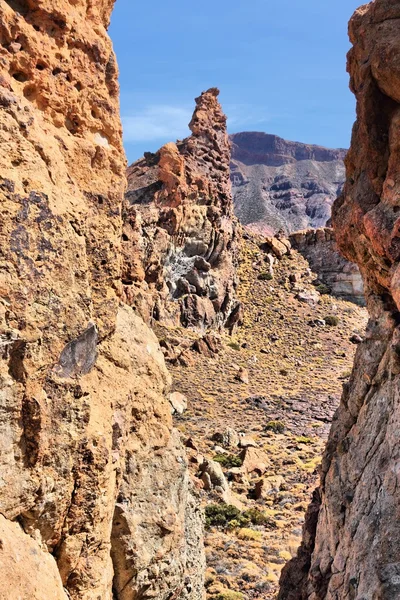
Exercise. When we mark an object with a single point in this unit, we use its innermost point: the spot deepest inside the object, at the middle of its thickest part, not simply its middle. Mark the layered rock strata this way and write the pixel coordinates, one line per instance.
(340, 276)
(179, 232)
(282, 185)
(351, 546)
(94, 491)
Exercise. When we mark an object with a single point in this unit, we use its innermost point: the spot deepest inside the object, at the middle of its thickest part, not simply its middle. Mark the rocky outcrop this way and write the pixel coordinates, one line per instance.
(341, 277)
(283, 185)
(94, 487)
(179, 238)
(353, 549)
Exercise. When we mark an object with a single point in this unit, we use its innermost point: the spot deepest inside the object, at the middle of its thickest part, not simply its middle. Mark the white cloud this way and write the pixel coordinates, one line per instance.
(156, 122)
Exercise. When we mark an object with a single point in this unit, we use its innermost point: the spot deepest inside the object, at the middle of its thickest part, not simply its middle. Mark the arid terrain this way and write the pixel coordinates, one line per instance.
(296, 363)
(278, 184)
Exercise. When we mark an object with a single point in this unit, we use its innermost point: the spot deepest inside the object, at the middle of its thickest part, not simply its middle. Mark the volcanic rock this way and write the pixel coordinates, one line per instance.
(179, 232)
(342, 277)
(283, 185)
(351, 541)
(90, 466)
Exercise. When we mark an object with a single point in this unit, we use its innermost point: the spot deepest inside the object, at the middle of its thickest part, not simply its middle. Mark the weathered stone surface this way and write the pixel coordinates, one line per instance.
(351, 545)
(179, 232)
(90, 465)
(26, 569)
(342, 277)
(279, 184)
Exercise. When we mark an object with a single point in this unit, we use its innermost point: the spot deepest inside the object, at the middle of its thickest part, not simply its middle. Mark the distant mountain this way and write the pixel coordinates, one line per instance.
(283, 185)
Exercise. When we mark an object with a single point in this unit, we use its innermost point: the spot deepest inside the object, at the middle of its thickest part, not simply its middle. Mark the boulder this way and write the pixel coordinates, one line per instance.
(178, 403)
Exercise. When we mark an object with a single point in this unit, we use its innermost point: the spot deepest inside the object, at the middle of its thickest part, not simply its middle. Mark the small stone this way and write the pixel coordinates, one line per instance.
(178, 403)
(308, 297)
(14, 47)
(356, 339)
(243, 376)
(247, 442)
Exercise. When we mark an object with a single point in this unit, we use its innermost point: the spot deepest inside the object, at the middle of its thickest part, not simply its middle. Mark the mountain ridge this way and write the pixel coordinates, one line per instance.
(280, 184)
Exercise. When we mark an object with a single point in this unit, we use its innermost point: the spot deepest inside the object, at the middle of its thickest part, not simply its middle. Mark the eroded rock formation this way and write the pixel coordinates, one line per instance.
(92, 474)
(285, 185)
(341, 277)
(179, 231)
(351, 546)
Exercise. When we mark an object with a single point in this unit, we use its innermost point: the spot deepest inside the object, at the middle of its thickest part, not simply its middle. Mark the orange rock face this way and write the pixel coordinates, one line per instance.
(351, 542)
(179, 231)
(90, 465)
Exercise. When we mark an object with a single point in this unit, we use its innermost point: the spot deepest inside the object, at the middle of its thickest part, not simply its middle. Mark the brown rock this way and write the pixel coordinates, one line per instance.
(342, 278)
(254, 460)
(267, 486)
(26, 570)
(242, 375)
(90, 465)
(278, 247)
(180, 236)
(178, 402)
(279, 184)
(247, 442)
(351, 540)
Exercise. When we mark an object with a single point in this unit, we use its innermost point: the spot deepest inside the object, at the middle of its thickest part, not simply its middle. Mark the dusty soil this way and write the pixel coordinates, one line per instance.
(296, 368)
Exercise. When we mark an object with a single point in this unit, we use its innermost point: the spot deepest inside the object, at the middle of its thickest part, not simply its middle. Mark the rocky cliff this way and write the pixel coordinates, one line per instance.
(341, 277)
(351, 544)
(283, 185)
(179, 232)
(94, 491)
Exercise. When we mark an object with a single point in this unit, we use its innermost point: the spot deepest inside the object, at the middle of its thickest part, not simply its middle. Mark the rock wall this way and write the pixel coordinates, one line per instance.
(342, 277)
(351, 545)
(94, 486)
(180, 236)
(282, 185)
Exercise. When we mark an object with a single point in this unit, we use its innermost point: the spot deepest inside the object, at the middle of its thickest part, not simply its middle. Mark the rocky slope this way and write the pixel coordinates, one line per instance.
(259, 411)
(94, 483)
(351, 541)
(179, 232)
(342, 278)
(283, 185)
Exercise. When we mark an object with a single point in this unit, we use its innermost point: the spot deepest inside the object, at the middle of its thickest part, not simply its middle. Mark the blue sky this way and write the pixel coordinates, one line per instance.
(280, 66)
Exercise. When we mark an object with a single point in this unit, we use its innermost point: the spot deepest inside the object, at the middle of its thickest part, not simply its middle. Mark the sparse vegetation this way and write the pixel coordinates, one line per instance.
(249, 534)
(331, 320)
(228, 460)
(228, 595)
(265, 276)
(275, 426)
(234, 345)
(268, 411)
(228, 516)
(322, 288)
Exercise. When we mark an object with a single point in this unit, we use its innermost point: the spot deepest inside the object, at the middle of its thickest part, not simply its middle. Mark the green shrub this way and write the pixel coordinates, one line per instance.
(230, 517)
(228, 460)
(301, 439)
(265, 276)
(249, 534)
(257, 517)
(228, 595)
(222, 515)
(275, 426)
(323, 289)
(234, 345)
(332, 320)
